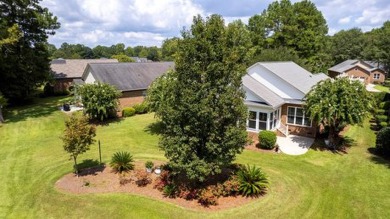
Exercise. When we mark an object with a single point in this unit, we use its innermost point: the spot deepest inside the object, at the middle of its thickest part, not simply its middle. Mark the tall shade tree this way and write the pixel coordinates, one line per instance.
(204, 115)
(335, 103)
(78, 136)
(169, 48)
(347, 44)
(100, 100)
(384, 45)
(24, 65)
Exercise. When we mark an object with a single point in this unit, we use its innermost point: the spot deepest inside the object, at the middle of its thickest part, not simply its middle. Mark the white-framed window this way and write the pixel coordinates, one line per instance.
(252, 119)
(296, 116)
(262, 121)
(376, 76)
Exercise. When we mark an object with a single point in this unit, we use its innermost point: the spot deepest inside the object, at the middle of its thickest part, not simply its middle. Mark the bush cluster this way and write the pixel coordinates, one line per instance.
(140, 108)
(128, 111)
(267, 139)
(247, 181)
(383, 141)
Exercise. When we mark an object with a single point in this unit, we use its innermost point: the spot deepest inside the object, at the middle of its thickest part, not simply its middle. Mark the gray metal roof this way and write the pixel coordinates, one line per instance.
(73, 68)
(262, 91)
(351, 63)
(294, 74)
(129, 76)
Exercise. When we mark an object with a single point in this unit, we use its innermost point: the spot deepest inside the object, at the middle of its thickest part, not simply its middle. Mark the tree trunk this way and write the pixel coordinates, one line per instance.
(331, 137)
(1, 115)
(75, 166)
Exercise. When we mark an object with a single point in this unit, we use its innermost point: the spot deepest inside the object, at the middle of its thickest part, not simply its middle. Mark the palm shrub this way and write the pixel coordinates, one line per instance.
(253, 181)
(267, 139)
(122, 161)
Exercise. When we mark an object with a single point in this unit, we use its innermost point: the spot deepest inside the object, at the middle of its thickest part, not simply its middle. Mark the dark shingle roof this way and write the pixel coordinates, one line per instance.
(73, 68)
(128, 76)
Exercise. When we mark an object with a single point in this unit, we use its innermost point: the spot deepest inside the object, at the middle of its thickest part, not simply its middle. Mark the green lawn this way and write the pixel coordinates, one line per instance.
(382, 88)
(319, 184)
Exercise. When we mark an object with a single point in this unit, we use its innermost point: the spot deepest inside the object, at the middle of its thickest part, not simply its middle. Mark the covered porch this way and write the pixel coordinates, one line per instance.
(264, 117)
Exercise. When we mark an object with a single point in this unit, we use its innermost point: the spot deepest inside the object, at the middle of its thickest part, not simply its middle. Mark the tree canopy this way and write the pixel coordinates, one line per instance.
(202, 130)
(78, 136)
(100, 100)
(339, 102)
(24, 64)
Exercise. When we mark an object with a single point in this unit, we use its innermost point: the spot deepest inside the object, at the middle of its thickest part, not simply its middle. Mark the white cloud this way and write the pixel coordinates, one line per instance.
(345, 20)
(141, 22)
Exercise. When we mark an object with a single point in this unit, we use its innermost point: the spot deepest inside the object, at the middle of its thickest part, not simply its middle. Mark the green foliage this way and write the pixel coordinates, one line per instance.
(78, 136)
(381, 118)
(347, 44)
(382, 141)
(338, 102)
(141, 108)
(122, 58)
(253, 181)
(383, 124)
(100, 100)
(149, 164)
(170, 191)
(24, 63)
(201, 103)
(122, 161)
(267, 139)
(169, 49)
(128, 111)
(385, 105)
(380, 111)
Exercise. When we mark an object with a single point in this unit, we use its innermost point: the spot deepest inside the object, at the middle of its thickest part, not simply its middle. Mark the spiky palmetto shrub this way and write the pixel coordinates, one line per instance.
(253, 181)
(122, 161)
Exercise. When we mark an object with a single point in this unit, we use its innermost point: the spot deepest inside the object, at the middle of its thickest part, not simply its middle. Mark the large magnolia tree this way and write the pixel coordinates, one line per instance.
(335, 103)
(201, 102)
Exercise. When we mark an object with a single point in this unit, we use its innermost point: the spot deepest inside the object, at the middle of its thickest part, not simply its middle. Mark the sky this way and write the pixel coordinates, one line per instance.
(149, 22)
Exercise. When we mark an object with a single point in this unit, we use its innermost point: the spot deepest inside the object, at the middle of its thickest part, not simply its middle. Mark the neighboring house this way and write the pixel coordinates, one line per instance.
(365, 71)
(275, 94)
(65, 71)
(132, 79)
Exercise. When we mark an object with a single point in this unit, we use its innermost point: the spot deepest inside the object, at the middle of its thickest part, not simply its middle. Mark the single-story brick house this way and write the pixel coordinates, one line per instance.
(65, 71)
(367, 72)
(132, 79)
(275, 94)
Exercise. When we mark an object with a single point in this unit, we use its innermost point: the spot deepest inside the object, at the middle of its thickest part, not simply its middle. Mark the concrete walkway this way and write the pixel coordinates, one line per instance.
(370, 87)
(294, 145)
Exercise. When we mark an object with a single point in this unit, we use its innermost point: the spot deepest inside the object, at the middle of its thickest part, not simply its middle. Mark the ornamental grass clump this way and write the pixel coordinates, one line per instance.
(253, 181)
(122, 161)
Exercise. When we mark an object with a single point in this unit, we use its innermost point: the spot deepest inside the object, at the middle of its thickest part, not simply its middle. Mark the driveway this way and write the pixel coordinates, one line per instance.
(294, 145)
(370, 87)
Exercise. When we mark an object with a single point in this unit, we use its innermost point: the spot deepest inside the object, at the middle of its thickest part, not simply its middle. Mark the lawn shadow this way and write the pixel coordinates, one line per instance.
(154, 128)
(40, 107)
(90, 167)
(343, 144)
(379, 158)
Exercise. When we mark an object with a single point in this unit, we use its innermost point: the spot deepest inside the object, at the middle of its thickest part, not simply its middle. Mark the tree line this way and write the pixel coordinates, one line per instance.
(284, 31)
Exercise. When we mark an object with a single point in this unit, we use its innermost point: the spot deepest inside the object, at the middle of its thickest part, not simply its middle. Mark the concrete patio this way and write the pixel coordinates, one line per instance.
(294, 145)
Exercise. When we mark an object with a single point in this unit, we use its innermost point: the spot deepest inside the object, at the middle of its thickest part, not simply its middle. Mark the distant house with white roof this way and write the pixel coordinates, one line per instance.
(275, 94)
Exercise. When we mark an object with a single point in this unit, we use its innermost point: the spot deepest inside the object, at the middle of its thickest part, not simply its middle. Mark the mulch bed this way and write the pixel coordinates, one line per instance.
(105, 180)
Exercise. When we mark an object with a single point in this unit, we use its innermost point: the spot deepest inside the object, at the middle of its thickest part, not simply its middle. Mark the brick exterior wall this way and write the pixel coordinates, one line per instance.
(296, 129)
(381, 79)
(63, 84)
(130, 98)
(360, 73)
